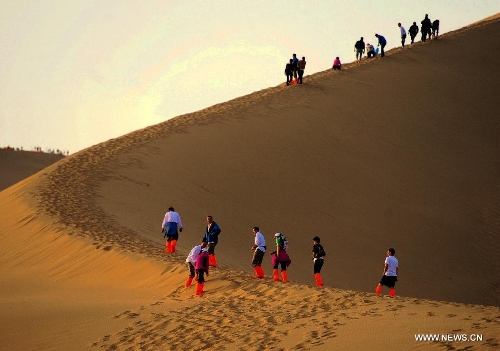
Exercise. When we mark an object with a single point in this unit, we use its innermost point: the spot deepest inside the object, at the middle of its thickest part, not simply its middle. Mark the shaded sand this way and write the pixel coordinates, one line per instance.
(17, 165)
(401, 151)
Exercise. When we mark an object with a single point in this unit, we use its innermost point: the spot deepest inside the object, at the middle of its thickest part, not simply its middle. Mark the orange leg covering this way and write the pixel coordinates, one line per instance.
(284, 276)
(276, 276)
(319, 281)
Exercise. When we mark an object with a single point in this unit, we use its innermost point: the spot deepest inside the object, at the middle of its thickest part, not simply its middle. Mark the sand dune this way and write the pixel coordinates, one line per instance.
(17, 165)
(401, 151)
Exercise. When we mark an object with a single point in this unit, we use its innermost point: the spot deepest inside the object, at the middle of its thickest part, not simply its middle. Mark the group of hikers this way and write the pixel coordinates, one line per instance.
(202, 256)
(428, 29)
(294, 70)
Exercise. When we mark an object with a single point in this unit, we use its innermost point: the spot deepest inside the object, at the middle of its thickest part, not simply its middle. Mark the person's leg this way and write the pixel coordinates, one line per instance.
(257, 263)
(168, 244)
(392, 286)
(382, 46)
(173, 247)
(378, 289)
(191, 274)
(276, 276)
(284, 274)
(301, 74)
(317, 270)
(212, 260)
(403, 39)
(201, 281)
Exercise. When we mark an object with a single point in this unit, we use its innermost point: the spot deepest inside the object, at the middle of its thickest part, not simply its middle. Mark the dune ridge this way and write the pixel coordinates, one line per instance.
(82, 261)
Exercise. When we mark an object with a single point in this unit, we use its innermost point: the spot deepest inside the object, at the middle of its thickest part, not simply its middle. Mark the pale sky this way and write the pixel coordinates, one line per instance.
(76, 73)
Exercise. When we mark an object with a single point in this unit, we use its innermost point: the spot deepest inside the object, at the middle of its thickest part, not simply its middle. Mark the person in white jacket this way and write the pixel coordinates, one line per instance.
(170, 227)
(258, 248)
(191, 261)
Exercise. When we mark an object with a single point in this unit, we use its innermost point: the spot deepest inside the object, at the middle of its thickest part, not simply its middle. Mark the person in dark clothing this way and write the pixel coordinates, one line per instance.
(301, 66)
(295, 61)
(435, 29)
(413, 30)
(426, 27)
(359, 49)
(212, 235)
(318, 254)
(289, 72)
(382, 43)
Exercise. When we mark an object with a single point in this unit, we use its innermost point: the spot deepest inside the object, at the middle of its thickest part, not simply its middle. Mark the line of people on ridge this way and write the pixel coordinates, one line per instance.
(202, 256)
(428, 29)
(294, 69)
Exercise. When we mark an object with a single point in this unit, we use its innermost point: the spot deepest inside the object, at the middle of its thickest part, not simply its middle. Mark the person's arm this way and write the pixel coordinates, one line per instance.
(386, 266)
(164, 223)
(179, 223)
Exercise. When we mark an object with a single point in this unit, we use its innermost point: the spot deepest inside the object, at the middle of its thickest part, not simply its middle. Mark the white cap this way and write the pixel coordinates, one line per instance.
(277, 234)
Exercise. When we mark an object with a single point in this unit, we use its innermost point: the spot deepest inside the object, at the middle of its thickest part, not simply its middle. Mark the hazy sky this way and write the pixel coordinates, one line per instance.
(77, 73)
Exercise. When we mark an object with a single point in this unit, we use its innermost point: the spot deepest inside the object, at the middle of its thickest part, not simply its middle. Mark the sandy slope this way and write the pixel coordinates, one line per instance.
(17, 165)
(401, 151)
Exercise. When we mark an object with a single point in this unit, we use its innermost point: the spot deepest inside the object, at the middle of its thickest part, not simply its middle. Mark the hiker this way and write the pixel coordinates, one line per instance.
(301, 66)
(201, 269)
(170, 227)
(370, 50)
(212, 235)
(280, 258)
(295, 61)
(191, 261)
(289, 72)
(390, 276)
(435, 29)
(258, 248)
(318, 254)
(382, 43)
(337, 64)
(359, 49)
(403, 34)
(413, 32)
(426, 27)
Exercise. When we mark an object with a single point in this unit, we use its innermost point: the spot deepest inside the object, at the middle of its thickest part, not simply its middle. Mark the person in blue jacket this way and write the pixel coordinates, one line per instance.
(212, 235)
(382, 43)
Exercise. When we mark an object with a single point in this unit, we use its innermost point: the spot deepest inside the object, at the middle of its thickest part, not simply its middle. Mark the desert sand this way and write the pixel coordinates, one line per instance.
(16, 165)
(396, 152)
